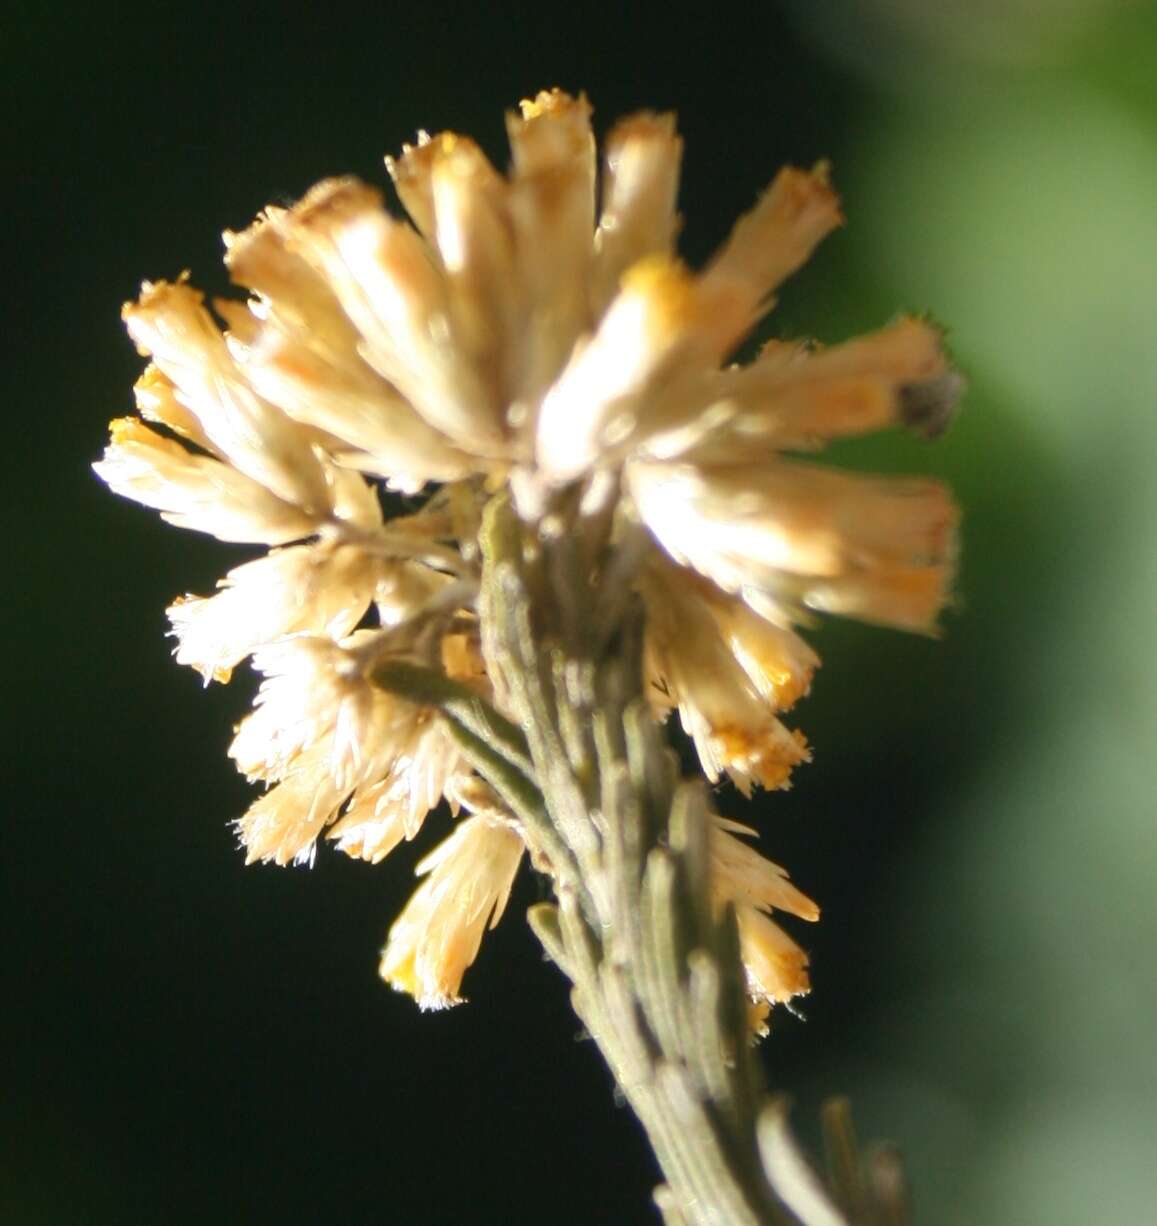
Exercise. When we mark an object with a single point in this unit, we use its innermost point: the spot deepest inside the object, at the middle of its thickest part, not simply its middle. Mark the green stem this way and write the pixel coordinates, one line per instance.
(636, 915)
(656, 973)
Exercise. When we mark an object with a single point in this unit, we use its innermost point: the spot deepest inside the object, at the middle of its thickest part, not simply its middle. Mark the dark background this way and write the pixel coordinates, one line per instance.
(191, 1041)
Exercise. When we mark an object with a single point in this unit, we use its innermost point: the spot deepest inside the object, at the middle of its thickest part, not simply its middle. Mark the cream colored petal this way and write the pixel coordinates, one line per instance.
(758, 1011)
(291, 293)
(394, 808)
(438, 934)
(552, 210)
(315, 694)
(776, 660)
(776, 966)
(157, 401)
(171, 323)
(194, 491)
(306, 589)
(907, 351)
(372, 826)
(353, 400)
(797, 398)
(732, 725)
(475, 241)
(404, 588)
(355, 500)
(304, 357)
(769, 243)
(295, 710)
(250, 325)
(907, 597)
(389, 286)
(282, 826)
(741, 875)
(412, 176)
(641, 371)
(378, 430)
(793, 532)
(640, 184)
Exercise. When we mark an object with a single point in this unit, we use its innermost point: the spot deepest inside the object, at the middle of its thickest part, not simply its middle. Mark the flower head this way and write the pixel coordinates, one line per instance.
(535, 331)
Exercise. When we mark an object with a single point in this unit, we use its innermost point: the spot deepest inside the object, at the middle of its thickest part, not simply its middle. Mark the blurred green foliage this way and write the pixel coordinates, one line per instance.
(1015, 1054)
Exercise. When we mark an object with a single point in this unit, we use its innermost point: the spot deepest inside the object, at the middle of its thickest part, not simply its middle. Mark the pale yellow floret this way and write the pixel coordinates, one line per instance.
(438, 934)
(691, 666)
(403, 589)
(643, 371)
(388, 283)
(375, 430)
(320, 746)
(552, 216)
(796, 397)
(548, 127)
(318, 589)
(307, 360)
(316, 691)
(316, 715)
(373, 824)
(758, 1011)
(339, 404)
(156, 399)
(195, 491)
(640, 185)
(907, 597)
(313, 693)
(803, 535)
(283, 825)
(638, 373)
(171, 324)
(474, 240)
(764, 757)
(799, 397)
(394, 808)
(355, 503)
(776, 660)
(291, 293)
(412, 176)
(775, 965)
(768, 244)
(777, 968)
(553, 104)
(740, 874)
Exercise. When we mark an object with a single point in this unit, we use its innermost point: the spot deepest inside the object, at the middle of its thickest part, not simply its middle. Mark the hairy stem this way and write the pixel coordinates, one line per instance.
(655, 967)
(656, 970)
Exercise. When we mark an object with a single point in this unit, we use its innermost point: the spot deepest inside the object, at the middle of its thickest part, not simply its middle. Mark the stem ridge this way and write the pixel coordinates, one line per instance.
(655, 967)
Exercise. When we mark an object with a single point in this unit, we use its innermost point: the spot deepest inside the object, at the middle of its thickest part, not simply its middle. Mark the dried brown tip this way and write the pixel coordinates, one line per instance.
(929, 407)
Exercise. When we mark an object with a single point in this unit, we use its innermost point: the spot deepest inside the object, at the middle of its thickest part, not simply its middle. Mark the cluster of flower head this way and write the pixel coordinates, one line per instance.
(528, 331)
